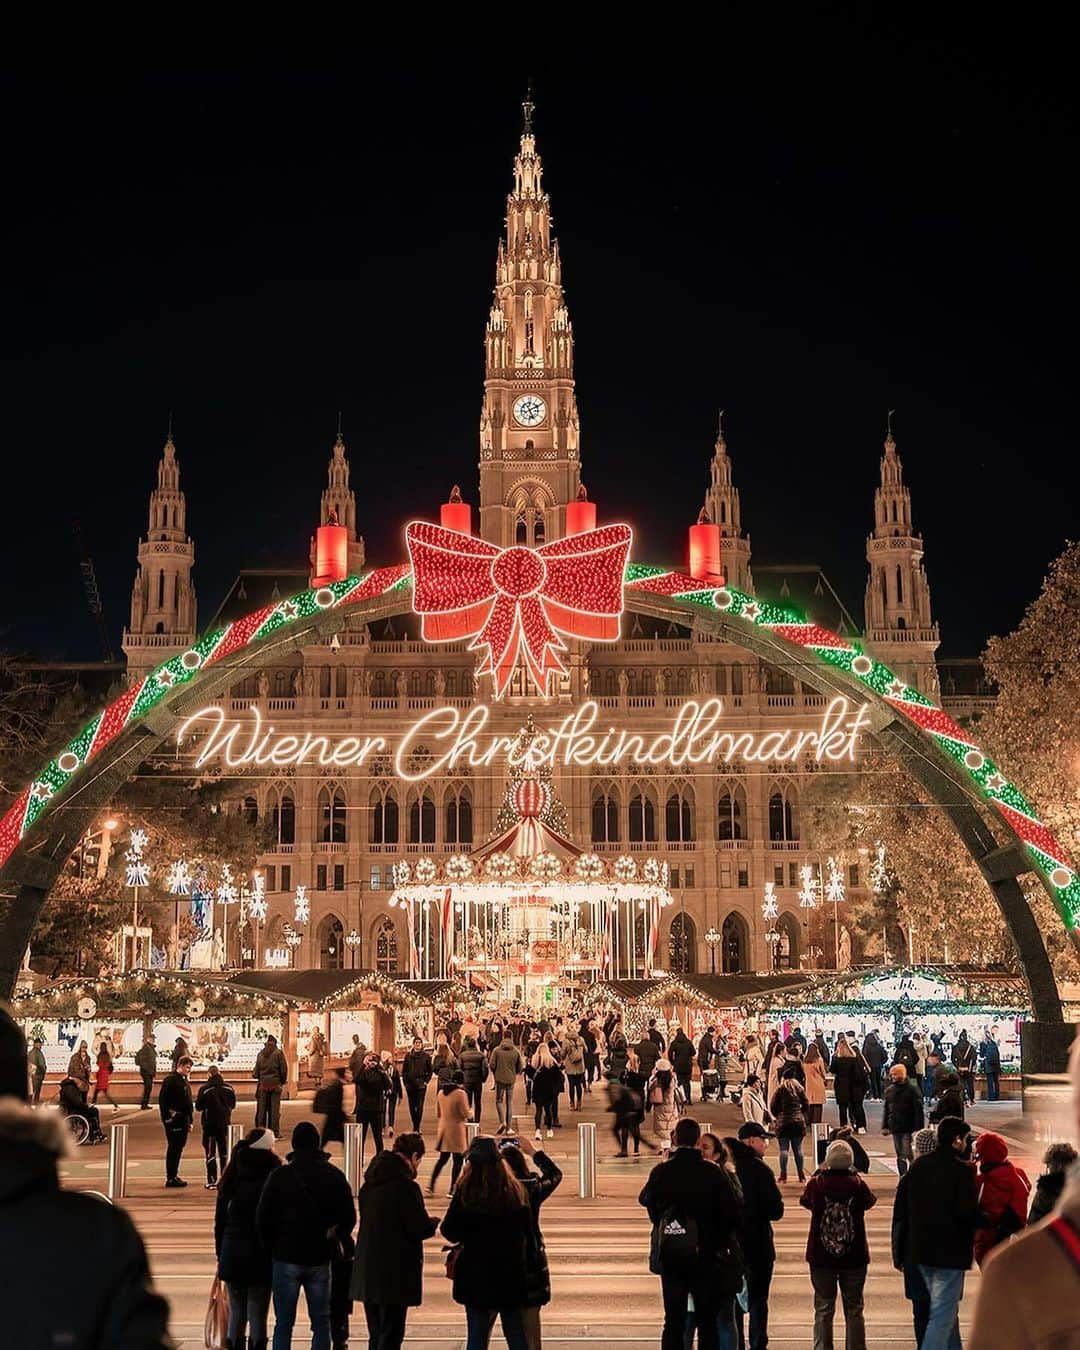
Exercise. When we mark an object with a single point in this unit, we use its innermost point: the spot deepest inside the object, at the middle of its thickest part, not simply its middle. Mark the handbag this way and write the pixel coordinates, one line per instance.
(216, 1325)
(453, 1252)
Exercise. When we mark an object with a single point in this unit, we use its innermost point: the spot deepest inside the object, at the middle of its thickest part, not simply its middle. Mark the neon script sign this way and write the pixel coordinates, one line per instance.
(461, 737)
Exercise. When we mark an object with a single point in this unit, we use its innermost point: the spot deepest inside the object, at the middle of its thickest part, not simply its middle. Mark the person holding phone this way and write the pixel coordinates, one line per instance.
(538, 1186)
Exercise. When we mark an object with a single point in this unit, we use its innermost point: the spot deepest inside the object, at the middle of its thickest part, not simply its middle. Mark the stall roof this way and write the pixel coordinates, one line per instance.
(321, 987)
(725, 991)
(626, 991)
(989, 988)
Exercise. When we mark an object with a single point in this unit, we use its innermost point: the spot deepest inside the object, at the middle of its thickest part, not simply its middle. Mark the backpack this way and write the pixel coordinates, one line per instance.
(677, 1243)
(836, 1231)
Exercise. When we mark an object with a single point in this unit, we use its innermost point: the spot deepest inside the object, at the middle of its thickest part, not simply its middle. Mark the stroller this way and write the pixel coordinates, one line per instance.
(710, 1084)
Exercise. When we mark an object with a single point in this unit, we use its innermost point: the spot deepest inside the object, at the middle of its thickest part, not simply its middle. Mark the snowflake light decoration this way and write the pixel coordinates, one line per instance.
(770, 909)
(302, 905)
(257, 906)
(834, 887)
(137, 872)
(809, 888)
(879, 870)
(227, 890)
(178, 878)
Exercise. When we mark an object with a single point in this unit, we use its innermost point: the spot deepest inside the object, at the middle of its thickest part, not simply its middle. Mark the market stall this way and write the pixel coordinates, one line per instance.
(902, 1000)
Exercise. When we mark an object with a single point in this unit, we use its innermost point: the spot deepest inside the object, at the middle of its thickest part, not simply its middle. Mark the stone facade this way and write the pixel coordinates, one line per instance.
(724, 833)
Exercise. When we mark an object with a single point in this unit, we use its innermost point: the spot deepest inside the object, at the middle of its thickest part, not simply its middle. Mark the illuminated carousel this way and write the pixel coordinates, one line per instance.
(528, 915)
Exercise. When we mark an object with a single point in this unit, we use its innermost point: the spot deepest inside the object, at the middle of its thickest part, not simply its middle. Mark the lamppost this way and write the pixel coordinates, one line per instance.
(834, 893)
(257, 910)
(178, 880)
(353, 941)
(770, 911)
(87, 845)
(712, 937)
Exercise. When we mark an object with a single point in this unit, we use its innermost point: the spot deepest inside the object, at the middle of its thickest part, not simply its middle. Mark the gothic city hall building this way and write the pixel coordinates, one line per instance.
(341, 829)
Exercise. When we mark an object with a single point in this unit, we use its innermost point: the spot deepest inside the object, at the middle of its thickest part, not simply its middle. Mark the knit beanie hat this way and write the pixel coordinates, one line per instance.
(13, 1079)
(924, 1141)
(305, 1137)
(265, 1140)
(839, 1157)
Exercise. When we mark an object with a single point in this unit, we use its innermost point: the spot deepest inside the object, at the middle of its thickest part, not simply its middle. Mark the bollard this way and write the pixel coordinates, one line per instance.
(819, 1134)
(353, 1169)
(586, 1135)
(472, 1129)
(236, 1133)
(118, 1143)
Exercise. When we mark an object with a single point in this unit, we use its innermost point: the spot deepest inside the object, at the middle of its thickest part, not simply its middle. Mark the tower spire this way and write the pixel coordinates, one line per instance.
(722, 508)
(528, 107)
(529, 468)
(338, 503)
(900, 630)
(163, 608)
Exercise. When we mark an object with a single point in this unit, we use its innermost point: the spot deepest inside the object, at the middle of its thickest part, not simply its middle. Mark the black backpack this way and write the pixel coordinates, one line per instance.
(677, 1243)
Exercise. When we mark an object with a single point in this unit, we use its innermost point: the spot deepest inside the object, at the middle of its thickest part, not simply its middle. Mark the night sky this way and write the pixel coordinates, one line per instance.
(805, 236)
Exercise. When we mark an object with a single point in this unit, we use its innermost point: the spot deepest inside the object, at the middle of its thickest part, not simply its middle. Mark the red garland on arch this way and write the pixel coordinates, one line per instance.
(514, 602)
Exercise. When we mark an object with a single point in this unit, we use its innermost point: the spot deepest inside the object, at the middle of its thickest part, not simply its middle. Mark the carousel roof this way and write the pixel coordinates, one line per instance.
(526, 838)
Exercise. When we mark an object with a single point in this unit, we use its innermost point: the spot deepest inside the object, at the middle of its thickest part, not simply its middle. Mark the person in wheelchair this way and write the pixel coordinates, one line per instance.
(72, 1103)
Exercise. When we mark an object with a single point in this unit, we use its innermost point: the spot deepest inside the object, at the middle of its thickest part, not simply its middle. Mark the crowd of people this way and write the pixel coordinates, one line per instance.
(286, 1225)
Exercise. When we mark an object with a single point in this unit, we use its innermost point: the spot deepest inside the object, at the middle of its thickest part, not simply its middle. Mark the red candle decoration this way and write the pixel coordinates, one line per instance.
(331, 554)
(456, 514)
(705, 562)
(580, 515)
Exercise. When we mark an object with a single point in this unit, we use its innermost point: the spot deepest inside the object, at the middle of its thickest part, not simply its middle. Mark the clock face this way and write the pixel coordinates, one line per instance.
(529, 410)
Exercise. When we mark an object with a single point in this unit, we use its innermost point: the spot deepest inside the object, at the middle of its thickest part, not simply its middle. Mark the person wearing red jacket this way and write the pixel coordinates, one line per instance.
(1004, 1189)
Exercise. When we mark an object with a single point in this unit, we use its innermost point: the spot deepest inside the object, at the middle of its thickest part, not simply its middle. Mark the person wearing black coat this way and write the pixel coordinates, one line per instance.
(489, 1216)
(850, 1081)
(763, 1206)
(935, 1214)
(330, 1104)
(681, 1054)
(243, 1263)
(305, 1212)
(416, 1071)
(990, 1055)
(906, 1055)
(1049, 1187)
(215, 1104)
(474, 1066)
(964, 1057)
(902, 1114)
(41, 1225)
(647, 1054)
(950, 1099)
(388, 1272)
(538, 1186)
(177, 1115)
(371, 1085)
(687, 1186)
(873, 1052)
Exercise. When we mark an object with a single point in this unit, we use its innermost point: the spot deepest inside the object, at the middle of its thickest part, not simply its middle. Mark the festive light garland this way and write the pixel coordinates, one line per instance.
(1046, 853)
(1048, 856)
(149, 990)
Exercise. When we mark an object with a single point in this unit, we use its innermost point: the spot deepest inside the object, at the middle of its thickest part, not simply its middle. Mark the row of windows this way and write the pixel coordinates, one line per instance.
(384, 824)
(641, 822)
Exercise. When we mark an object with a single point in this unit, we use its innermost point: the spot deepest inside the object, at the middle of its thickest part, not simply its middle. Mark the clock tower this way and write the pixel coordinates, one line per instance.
(529, 467)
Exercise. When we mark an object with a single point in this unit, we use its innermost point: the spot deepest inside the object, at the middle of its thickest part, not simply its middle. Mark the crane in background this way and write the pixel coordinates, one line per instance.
(93, 594)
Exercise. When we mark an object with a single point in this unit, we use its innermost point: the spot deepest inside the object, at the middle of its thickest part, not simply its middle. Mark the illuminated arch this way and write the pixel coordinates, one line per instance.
(43, 825)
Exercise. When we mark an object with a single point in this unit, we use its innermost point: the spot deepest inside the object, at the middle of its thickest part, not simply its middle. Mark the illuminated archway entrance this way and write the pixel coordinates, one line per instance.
(43, 826)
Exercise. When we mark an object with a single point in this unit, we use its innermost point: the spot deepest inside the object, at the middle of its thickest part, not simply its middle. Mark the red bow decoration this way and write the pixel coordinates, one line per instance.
(513, 600)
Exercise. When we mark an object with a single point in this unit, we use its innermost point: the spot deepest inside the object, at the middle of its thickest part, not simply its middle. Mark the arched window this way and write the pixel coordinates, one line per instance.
(331, 815)
(731, 814)
(642, 818)
(605, 816)
(682, 945)
(679, 816)
(734, 944)
(331, 935)
(280, 686)
(284, 817)
(386, 946)
(250, 811)
(899, 585)
(422, 819)
(783, 815)
(458, 817)
(451, 683)
(379, 689)
(325, 681)
(384, 817)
